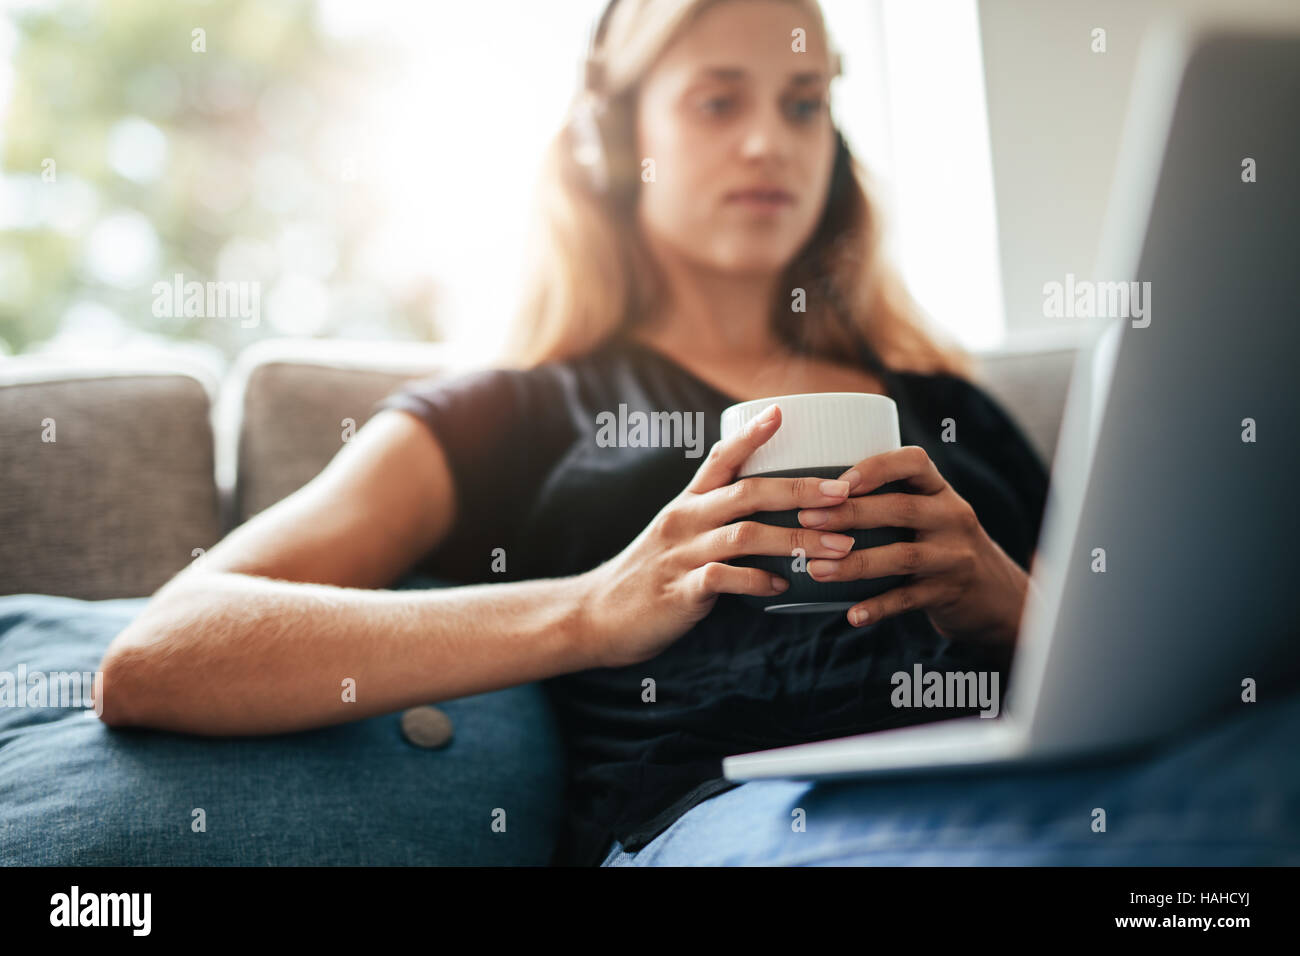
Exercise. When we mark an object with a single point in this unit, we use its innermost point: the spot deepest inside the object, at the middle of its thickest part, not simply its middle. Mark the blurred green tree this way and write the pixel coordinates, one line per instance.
(146, 139)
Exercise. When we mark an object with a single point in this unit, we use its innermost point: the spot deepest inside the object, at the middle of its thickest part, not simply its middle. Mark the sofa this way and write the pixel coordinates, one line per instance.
(115, 472)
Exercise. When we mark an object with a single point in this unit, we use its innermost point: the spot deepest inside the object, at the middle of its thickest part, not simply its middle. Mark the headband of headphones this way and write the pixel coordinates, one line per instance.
(594, 65)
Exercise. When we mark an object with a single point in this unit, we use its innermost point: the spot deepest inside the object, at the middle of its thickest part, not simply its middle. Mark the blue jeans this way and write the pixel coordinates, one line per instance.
(1227, 795)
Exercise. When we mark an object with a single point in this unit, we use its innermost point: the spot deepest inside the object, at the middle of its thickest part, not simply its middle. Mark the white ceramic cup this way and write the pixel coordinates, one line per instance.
(822, 435)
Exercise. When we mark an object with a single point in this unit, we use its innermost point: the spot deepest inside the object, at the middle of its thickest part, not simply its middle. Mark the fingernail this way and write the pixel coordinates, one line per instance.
(857, 617)
(838, 542)
(813, 519)
(779, 583)
(820, 566)
(762, 420)
(853, 478)
(835, 488)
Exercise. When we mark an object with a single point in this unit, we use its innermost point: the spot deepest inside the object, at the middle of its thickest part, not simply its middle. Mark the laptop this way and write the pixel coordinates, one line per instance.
(1199, 525)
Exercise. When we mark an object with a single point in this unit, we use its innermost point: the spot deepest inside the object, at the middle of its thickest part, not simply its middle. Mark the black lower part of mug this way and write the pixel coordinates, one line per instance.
(806, 595)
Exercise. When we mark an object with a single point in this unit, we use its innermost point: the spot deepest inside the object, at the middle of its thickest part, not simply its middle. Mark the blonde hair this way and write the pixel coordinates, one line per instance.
(590, 275)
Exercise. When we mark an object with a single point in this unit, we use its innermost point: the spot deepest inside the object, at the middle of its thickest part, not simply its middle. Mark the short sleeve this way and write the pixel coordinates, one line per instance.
(501, 430)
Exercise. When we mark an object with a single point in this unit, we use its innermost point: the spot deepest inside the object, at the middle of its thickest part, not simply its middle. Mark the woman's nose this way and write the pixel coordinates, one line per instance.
(766, 134)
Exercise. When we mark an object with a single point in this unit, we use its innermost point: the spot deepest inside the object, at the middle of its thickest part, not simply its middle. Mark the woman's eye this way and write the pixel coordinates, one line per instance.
(716, 105)
(804, 110)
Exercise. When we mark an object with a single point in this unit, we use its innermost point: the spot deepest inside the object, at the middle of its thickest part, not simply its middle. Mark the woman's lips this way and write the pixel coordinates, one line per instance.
(765, 199)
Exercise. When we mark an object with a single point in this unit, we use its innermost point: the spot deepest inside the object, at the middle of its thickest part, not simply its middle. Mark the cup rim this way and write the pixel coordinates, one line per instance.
(777, 399)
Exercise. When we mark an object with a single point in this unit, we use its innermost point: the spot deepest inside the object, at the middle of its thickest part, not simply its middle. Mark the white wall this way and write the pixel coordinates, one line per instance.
(1055, 114)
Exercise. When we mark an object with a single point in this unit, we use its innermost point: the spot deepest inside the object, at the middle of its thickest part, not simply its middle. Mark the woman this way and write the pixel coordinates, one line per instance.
(700, 191)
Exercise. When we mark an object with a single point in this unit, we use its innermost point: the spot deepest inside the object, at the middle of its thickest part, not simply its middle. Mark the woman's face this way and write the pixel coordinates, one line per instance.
(730, 107)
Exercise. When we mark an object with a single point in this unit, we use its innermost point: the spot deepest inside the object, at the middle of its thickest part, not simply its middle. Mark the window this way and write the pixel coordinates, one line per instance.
(368, 167)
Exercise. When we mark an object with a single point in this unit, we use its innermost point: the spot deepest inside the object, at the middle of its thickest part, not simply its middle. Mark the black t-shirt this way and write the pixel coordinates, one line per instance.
(531, 478)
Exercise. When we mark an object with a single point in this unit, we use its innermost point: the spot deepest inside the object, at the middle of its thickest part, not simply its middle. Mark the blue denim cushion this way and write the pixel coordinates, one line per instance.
(76, 792)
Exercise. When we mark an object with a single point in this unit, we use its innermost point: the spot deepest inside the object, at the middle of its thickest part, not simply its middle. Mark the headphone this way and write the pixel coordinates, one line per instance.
(598, 125)
(601, 135)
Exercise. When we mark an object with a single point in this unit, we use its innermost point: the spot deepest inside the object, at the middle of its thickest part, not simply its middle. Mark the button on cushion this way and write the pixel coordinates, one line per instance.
(426, 726)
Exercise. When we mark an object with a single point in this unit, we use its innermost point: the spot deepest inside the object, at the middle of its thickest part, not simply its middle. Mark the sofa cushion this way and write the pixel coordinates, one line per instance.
(117, 502)
(75, 792)
(1032, 387)
(288, 407)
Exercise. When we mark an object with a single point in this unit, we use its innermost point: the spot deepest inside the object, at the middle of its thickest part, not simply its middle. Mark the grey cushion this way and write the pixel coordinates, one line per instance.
(298, 401)
(1032, 387)
(119, 501)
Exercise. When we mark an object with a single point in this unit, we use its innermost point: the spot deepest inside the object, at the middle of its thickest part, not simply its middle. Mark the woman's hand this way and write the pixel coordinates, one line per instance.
(967, 585)
(666, 580)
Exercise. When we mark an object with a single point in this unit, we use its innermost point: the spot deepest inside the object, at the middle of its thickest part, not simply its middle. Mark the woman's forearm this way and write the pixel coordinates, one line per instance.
(225, 653)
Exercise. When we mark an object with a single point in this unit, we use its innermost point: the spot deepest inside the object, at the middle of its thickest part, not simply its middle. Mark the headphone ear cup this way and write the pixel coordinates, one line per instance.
(589, 147)
(617, 140)
(602, 136)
